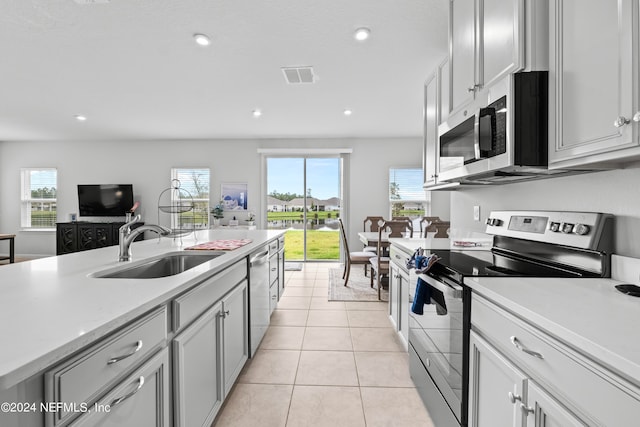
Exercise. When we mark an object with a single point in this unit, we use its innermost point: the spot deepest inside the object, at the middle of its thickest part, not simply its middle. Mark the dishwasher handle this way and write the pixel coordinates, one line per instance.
(259, 259)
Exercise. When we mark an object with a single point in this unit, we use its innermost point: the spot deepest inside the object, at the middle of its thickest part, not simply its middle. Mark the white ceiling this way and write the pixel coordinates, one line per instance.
(132, 67)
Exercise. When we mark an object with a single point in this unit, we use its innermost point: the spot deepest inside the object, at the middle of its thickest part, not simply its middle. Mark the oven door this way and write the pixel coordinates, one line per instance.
(439, 339)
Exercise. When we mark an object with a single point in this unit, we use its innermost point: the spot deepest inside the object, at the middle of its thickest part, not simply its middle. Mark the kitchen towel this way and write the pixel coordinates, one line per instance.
(220, 245)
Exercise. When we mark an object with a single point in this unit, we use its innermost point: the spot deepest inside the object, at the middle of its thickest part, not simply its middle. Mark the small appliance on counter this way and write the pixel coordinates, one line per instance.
(526, 244)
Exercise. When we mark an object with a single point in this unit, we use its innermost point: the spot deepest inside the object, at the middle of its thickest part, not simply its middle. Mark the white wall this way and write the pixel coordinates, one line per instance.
(147, 165)
(616, 192)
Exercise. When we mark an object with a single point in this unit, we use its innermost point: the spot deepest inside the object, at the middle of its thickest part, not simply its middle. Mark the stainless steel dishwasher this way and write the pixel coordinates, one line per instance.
(258, 296)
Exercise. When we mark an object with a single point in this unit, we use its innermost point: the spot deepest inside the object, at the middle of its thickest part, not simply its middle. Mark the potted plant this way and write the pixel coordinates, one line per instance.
(217, 213)
(251, 218)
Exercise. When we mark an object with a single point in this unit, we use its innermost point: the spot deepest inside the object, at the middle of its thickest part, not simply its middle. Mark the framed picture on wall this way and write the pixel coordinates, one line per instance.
(234, 196)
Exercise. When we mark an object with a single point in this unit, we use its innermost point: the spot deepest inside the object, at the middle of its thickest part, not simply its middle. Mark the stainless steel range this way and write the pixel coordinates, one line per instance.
(526, 243)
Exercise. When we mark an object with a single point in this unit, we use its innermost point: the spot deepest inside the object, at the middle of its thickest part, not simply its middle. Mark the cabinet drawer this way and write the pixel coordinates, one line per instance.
(400, 258)
(273, 268)
(141, 399)
(193, 303)
(576, 381)
(273, 297)
(82, 379)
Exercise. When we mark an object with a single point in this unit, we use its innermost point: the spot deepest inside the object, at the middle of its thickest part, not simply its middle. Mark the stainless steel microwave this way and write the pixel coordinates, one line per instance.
(501, 137)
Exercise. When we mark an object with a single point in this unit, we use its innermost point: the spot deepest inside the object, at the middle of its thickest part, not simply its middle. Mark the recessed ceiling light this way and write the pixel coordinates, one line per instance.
(347, 112)
(256, 113)
(362, 34)
(80, 118)
(202, 39)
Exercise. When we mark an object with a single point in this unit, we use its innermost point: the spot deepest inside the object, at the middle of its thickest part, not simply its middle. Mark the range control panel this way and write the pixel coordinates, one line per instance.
(578, 229)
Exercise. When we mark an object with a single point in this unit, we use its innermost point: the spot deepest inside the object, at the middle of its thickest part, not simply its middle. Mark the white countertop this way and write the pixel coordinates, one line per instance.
(589, 315)
(50, 308)
(411, 244)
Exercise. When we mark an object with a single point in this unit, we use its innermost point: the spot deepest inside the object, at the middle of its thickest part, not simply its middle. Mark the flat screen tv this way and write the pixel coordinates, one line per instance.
(105, 199)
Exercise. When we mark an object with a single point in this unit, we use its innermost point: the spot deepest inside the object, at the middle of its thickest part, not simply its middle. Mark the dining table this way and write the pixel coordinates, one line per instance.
(370, 238)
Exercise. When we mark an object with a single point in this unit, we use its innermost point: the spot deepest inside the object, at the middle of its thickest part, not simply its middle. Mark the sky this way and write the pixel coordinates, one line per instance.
(286, 175)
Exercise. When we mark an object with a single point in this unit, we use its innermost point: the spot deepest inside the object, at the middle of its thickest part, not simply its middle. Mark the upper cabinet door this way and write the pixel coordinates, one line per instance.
(500, 39)
(462, 52)
(430, 131)
(444, 92)
(592, 84)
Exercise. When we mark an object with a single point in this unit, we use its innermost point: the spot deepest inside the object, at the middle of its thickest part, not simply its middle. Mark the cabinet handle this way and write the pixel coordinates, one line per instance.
(474, 88)
(621, 121)
(526, 409)
(514, 397)
(223, 314)
(636, 117)
(119, 400)
(519, 346)
(119, 358)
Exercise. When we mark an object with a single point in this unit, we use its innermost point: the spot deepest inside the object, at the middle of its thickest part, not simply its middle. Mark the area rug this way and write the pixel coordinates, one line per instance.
(358, 289)
(292, 266)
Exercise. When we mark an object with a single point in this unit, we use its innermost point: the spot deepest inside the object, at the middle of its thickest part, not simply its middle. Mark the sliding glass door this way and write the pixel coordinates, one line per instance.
(304, 198)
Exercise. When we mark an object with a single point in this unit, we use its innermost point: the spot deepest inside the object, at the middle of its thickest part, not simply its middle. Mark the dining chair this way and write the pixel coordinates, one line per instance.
(380, 263)
(408, 221)
(427, 225)
(372, 224)
(352, 257)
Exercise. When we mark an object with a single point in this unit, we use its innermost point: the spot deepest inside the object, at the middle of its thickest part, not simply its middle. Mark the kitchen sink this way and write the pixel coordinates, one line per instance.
(168, 265)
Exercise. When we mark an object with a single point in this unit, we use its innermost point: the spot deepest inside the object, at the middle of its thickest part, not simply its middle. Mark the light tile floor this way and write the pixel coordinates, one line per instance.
(325, 363)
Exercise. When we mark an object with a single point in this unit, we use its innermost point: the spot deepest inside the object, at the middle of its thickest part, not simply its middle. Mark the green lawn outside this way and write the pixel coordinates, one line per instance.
(321, 245)
(279, 216)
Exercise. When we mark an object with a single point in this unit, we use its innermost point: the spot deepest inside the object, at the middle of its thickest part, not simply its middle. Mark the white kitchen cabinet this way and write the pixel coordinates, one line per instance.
(399, 300)
(593, 82)
(140, 400)
(560, 387)
(198, 392)
(91, 373)
(502, 395)
(208, 357)
(496, 385)
(430, 160)
(542, 410)
(235, 326)
(444, 92)
(462, 52)
(486, 43)
(436, 110)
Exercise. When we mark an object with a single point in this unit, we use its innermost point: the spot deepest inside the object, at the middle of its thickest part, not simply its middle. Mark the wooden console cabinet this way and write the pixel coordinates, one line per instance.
(82, 236)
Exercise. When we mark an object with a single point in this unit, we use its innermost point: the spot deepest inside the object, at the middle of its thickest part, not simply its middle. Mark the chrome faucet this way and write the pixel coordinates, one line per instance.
(127, 236)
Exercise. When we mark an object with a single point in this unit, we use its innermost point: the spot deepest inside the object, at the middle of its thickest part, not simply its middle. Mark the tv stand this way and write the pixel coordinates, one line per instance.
(84, 235)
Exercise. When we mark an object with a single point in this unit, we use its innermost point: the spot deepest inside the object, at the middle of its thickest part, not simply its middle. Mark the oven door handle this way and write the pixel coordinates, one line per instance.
(452, 291)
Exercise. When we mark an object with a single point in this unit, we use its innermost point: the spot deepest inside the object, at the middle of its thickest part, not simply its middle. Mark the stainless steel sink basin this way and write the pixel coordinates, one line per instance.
(165, 266)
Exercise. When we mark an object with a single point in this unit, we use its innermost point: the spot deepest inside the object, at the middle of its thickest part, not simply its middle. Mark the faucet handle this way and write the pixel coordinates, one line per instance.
(125, 228)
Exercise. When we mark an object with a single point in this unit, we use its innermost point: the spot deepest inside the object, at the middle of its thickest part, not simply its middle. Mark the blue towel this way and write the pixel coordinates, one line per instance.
(423, 289)
(421, 297)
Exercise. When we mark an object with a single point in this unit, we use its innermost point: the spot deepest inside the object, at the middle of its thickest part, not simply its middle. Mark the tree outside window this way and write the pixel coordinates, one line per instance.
(406, 195)
(39, 192)
(194, 185)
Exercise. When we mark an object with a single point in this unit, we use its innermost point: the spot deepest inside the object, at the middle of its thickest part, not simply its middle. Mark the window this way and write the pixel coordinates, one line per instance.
(406, 195)
(39, 198)
(194, 186)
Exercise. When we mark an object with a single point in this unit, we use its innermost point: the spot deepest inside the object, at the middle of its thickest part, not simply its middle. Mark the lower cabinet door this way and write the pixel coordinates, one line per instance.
(196, 367)
(141, 400)
(405, 305)
(545, 411)
(495, 387)
(235, 343)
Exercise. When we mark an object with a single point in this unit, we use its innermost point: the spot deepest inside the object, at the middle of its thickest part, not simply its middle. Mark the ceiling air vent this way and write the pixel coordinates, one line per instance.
(297, 75)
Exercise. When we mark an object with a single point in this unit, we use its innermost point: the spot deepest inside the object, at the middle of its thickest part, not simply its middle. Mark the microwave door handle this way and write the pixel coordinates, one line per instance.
(476, 135)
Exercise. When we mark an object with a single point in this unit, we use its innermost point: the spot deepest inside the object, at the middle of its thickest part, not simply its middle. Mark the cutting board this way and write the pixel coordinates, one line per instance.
(220, 245)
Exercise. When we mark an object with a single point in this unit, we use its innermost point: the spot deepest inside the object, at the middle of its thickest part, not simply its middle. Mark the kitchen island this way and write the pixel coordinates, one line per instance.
(54, 308)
